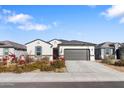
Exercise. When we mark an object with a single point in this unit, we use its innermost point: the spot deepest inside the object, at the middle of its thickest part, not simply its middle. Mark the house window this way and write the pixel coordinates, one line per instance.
(38, 50)
(108, 51)
(5, 51)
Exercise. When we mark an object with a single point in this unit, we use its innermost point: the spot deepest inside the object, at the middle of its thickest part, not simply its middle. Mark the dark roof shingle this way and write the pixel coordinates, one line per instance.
(107, 45)
(10, 44)
(75, 42)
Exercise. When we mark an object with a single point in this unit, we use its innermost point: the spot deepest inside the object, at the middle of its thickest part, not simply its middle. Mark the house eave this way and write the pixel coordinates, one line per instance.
(36, 40)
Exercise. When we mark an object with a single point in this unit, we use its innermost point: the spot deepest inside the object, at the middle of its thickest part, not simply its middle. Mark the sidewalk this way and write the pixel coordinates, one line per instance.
(59, 77)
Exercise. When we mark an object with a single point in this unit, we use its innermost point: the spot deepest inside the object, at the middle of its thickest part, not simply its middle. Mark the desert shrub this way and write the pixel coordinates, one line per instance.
(122, 60)
(45, 59)
(29, 59)
(60, 70)
(2, 69)
(11, 68)
(38, 64)
(1, 63)
(18, 69)
(46, 68)
(111, 57)
(119, 63)
(58, 64)
(27, 68)
(7, 69)
(43, 65)
(109, 60)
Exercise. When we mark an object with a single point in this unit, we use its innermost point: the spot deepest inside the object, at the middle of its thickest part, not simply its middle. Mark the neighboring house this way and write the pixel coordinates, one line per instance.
(39, 49)
(9, 47)
(73, 50)
(121, 51)
(107, 49)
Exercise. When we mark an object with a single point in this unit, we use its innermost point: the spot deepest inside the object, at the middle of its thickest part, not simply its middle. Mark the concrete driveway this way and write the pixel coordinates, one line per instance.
(89, 67)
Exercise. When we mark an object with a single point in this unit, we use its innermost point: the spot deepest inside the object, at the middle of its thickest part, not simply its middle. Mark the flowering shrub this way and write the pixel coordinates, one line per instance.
(21, 65)
(58, 63)
(22, 60)
(5, 60)
(13, 58)
(61, 58)
(29, 59)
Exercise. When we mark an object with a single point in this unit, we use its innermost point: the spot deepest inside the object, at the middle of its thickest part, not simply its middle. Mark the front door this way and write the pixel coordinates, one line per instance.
(55, 53)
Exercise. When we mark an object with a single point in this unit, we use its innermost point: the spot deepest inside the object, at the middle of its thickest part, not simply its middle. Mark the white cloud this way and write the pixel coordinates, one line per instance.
(23, 21)
(114, 11)
(29, 27)
(5, 11)
(19, 18)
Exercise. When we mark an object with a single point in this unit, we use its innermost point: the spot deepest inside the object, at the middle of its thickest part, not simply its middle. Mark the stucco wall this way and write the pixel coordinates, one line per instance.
(91, 48)
(1, 51)
(103, 54)
(46, 48)
(20, 52)
(13, 51)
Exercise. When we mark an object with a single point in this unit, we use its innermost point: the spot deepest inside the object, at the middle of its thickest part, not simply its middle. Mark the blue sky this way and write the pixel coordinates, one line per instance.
(86, 23)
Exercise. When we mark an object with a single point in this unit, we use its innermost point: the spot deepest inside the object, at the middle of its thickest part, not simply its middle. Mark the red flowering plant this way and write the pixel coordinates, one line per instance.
(21, 60)
(5, 58)
(61, 58)
(14, 58)
(59, 63)
(51, 62)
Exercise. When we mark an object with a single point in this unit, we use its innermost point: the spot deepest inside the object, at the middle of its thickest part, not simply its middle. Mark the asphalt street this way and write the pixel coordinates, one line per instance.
(63, 85)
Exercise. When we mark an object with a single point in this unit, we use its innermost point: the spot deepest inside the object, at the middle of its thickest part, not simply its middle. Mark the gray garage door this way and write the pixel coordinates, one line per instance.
(76, 54)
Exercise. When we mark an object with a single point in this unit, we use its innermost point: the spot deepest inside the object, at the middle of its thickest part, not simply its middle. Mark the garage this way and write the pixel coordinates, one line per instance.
(77, 54)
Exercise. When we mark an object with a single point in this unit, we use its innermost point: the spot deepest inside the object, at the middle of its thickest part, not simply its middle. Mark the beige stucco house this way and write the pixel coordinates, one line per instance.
(73, 49)
(40, 48)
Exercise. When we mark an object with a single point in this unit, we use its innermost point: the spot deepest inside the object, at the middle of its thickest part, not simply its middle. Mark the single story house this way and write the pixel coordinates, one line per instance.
(73, 49)
(121, 51)
(107, 49)
(9, 47)
(39, 49)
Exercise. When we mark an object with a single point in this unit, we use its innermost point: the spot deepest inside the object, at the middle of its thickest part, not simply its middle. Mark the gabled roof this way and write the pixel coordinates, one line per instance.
(107, 45)
(61, 40)
(74, 42)
(36, 40)
(10, 44)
